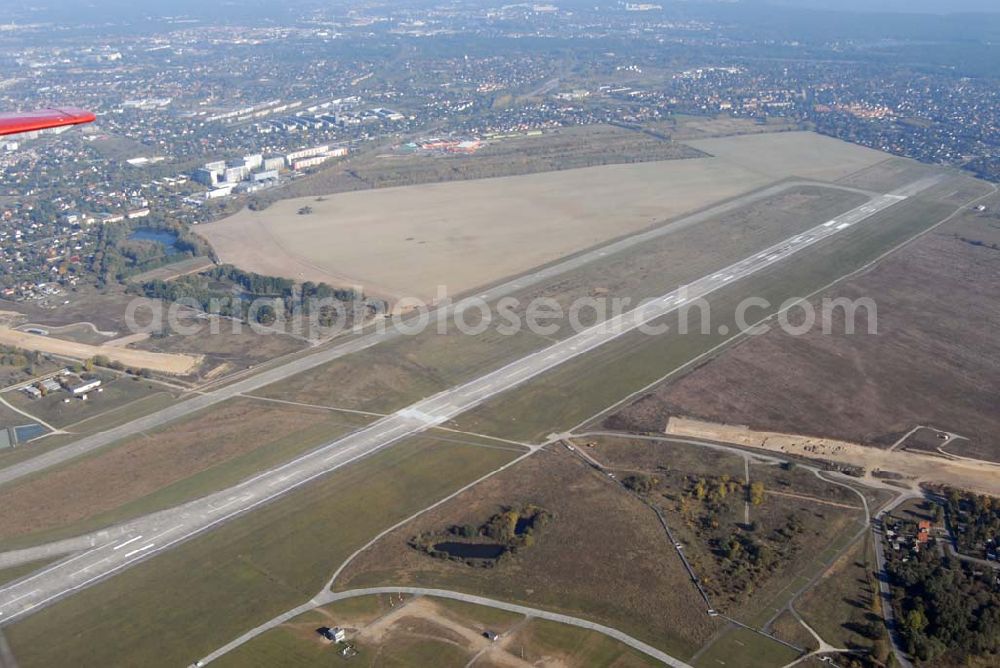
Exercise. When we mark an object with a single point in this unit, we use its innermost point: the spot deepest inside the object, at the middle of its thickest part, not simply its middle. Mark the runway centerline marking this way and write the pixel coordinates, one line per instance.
(128, 542)
(141, 549)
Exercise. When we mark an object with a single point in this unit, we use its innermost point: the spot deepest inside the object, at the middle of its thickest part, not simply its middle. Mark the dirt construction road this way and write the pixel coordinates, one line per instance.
(982, 477)
(160, 362)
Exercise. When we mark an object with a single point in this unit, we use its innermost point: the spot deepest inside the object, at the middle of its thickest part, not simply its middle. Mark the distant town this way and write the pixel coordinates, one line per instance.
(190, 128)
(470, 332)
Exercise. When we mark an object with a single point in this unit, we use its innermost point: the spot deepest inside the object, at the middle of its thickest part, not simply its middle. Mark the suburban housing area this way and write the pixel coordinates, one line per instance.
(453, 334)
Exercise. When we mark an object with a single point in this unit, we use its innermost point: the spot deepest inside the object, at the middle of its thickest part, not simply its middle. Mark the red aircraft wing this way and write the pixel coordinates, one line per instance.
(40, 120)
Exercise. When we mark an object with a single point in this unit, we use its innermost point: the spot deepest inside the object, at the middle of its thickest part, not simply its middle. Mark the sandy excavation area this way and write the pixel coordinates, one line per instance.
(917, 467)
(172, 364)
(406, 241)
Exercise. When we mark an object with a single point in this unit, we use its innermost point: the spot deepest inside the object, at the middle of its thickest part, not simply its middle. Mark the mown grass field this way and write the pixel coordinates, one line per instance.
(788, 629)
(126, 412)
(746, 649)
(401, 371)
(12, 456)
(11, 418)
(603, 556)
(209, 451)
(99, 421)
(843, 601)
(542, 638)
(179, 606)
(496, 620)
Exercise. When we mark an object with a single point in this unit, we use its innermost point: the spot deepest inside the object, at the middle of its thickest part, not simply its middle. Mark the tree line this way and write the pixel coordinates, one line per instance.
(974, 519)
(118, 258)
(946, 610)
(231, 292)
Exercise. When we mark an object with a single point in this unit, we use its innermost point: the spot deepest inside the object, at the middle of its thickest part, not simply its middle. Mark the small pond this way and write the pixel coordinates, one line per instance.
(471, 550)
(165, 238)
(29, 432)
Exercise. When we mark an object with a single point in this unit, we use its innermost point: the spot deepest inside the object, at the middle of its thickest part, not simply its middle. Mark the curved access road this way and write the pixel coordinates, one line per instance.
(332, 597)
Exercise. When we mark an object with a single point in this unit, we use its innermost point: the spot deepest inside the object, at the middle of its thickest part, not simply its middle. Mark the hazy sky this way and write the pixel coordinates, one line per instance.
(82, 9)
(933, 6)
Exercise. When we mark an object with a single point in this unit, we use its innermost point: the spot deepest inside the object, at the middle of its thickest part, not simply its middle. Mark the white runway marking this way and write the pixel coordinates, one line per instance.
(228, 503)
(141, 549)
(129, 541)
(14, 600)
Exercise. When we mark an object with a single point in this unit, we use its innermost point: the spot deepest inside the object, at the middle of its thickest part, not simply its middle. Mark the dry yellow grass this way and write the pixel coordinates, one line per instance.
(791, 154)
(173, 364)
(406, 241)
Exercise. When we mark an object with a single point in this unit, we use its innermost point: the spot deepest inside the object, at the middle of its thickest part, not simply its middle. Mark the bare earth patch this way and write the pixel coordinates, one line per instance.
(425, 631)
(915, 466)
(174, 364)
(221, 345)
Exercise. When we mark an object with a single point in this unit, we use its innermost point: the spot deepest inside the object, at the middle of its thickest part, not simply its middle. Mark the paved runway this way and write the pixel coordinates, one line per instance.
(373, 338)
(155, 533)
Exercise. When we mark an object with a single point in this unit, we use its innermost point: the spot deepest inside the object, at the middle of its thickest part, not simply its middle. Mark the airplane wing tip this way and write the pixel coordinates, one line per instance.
(43, 119)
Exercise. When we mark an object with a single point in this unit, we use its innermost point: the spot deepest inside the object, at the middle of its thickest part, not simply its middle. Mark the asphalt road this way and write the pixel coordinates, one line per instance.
(885, 589)
(144, 537)
(364, 341)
